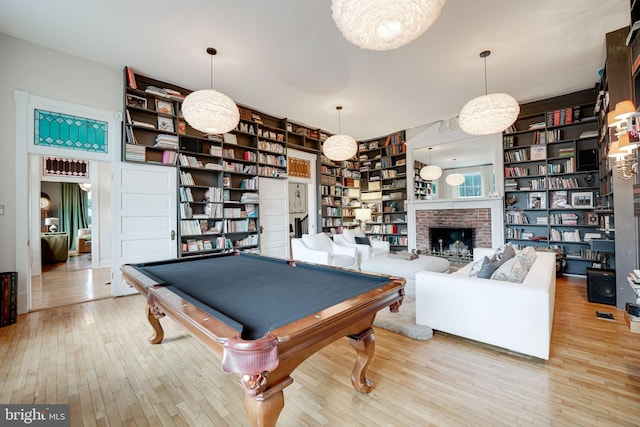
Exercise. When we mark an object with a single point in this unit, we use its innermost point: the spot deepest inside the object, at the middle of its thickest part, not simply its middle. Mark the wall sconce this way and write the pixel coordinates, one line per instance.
(623, 121)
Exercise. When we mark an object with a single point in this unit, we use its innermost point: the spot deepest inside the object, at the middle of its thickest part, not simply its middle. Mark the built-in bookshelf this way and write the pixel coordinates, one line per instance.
(383, 172)
(423, 189)
(551, 179)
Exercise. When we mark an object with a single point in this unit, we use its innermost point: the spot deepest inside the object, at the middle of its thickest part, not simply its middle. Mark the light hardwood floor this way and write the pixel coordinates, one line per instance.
(69, 282)
(95, 357)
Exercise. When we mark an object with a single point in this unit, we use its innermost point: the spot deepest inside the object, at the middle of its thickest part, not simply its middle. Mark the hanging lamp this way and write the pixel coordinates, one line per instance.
(339, 147)
(430, 172)
(210, 111)
(489, 113)
(384, 24)
(455, 179)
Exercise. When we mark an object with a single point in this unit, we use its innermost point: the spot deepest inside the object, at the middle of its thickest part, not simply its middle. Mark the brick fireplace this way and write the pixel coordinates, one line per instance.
(477, 219)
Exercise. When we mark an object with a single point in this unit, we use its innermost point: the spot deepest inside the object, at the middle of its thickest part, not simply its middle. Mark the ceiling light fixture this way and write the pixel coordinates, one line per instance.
(339, 147)
(384, 24)
(210, 111)
(430, 172)
(455, 179)
(490, 113)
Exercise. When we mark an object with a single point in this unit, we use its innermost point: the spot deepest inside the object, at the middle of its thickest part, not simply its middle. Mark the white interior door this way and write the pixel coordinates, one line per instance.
(274, 217)
(144, 217)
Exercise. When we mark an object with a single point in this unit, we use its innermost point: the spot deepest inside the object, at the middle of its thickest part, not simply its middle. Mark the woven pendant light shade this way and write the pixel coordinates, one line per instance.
(489, 114)
(210, 111)
(384, 24)
(430, 172)
(455, 179)
(340, 147)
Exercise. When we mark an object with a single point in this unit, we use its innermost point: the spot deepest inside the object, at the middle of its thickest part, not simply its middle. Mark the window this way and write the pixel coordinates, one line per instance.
(472, 186)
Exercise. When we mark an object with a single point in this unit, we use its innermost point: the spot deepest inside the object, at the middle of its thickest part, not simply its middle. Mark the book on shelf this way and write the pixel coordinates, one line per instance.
(131, 78)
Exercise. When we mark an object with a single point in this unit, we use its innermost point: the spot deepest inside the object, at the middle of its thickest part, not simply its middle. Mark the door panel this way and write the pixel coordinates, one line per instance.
(144, 217)
(274, 217)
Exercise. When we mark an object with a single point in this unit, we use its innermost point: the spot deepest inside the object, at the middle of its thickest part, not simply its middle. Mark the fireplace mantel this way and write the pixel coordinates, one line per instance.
(495, 204)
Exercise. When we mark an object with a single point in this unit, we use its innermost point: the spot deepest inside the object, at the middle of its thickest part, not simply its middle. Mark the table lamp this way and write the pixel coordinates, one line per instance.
(52, 223)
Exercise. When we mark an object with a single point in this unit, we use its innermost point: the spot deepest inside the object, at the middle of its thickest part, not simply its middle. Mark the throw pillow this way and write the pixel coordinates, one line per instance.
(485, 268)
(363, 241)
(504, 253)
(514, 270)
(528, 255)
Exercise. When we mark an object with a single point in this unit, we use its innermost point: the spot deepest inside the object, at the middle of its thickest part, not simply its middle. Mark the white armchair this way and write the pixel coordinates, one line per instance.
(320, 249)
(348, 239)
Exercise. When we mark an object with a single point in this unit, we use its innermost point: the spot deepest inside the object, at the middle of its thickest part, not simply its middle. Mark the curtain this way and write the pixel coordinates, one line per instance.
(73, 211)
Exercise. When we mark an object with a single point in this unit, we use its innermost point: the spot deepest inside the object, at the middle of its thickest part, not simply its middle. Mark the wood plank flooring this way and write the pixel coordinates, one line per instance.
(69, 282)
(95, 357)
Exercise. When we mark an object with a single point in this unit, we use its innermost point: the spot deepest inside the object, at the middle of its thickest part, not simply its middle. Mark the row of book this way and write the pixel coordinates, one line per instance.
(200, 245)
(395, 149)
(563, 219)
(271, 159)
(521, 155)
(516, 218)
(272, 171)
(239, 168)
(564, 236)
(271, 146)
(515, 171)
(135, 153)
(562, 116)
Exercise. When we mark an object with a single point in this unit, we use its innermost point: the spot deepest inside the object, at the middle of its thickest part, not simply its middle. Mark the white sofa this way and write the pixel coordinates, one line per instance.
(514, 316)
(320, 249)
(348, 238)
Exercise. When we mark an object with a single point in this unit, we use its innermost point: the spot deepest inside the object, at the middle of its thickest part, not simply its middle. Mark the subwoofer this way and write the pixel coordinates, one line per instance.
(601, 286)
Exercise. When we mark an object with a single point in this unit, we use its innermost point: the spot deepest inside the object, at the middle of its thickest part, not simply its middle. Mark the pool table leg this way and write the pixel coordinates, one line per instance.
(263, 410)
(154, 315)
(365, 345)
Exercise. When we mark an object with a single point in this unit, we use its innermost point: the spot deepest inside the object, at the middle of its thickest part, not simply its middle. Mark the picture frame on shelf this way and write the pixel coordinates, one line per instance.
(136, 101)
(164, 107)
(538, 152)
(165, 124)
(559, 199)
(537, 200)
(582, 200)
(592, 218)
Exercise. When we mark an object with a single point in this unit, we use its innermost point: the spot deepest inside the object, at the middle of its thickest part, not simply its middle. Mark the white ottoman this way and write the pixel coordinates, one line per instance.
(388, 264)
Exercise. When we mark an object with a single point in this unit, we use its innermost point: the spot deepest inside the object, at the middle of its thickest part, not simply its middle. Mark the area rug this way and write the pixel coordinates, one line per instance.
(403, 322)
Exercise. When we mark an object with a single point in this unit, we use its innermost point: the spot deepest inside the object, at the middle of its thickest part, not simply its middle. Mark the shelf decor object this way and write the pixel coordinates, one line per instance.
(340, 147)
(210, 111)
(430, 172)
(489, 113)
(455, 179)
(384, 24)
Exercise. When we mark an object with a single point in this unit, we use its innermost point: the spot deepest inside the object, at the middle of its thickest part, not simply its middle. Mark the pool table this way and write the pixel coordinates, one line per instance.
(264, 316)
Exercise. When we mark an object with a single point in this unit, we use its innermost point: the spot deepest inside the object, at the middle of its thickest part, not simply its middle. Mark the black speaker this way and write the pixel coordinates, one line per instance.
(601, 286)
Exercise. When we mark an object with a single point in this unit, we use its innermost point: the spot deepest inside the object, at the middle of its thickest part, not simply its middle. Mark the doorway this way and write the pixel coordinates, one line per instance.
(67, 273)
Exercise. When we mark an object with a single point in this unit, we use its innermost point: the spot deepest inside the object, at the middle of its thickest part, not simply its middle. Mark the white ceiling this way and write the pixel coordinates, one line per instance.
(287, 57)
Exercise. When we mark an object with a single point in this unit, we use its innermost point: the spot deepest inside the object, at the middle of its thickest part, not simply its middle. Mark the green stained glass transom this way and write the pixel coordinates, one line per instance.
(70, 132)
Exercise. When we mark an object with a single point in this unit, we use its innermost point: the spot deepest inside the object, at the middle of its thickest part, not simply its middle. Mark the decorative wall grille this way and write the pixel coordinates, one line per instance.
(57, 166)
(299, 168)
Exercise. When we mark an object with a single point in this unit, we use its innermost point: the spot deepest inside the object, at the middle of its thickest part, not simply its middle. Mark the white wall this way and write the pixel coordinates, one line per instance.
(53, 74)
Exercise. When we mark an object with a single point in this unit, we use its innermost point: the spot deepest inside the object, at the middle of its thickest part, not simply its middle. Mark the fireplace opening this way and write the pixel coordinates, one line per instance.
(452, 240)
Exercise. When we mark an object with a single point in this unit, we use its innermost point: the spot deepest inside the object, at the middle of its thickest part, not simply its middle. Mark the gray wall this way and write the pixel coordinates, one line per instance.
(53, 74)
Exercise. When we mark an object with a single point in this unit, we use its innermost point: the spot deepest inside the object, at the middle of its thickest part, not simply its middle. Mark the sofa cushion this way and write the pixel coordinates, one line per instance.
(484, 268)
(504, 253)
(351, 234)
(528, 255)
(514, 270)
(362, 241)
(318, 242)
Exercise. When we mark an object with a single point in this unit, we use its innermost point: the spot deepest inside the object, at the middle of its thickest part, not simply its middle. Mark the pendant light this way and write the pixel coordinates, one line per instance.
(430, 172)
(210, 111)
(339, 147)
(384, 24)
(489, 113)
(455, 179)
